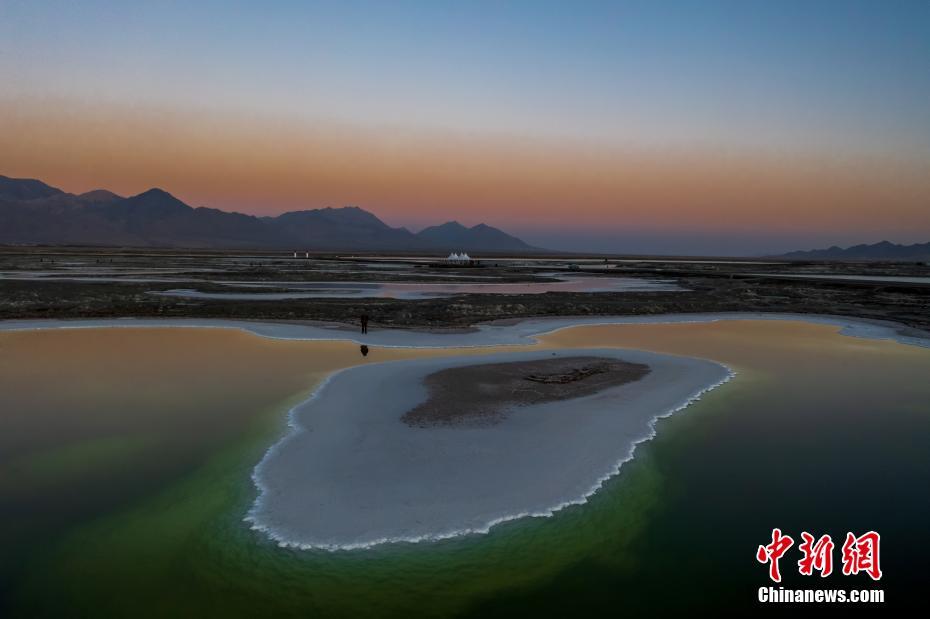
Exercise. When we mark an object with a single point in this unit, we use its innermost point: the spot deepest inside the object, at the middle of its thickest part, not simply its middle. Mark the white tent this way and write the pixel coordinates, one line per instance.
(456, 257)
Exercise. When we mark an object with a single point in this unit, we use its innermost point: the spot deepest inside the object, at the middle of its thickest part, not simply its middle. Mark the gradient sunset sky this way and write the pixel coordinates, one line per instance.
(742, 127)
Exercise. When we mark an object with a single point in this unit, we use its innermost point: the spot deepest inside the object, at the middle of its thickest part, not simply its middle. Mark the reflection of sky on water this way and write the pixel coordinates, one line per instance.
(857, 278)
(413, 290)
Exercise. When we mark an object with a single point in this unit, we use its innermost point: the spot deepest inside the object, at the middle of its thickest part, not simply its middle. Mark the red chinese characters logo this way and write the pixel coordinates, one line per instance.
(817, 555)
(773, 552)
(859, 554)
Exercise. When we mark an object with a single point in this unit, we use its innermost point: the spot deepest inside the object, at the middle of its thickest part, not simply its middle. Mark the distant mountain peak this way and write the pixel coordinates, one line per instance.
(883, 250)
(25, 189)
(156, 198)
(33, 212)
(155, 193)
(100, 196)
(454, 236)
(342, 216)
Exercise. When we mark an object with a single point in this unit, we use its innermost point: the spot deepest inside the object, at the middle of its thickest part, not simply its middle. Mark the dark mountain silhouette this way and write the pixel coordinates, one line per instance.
(99, 196)
(155, 217)
(884, 250)
(25, 189)
(348, 227)
(32, 212)
(482, 237)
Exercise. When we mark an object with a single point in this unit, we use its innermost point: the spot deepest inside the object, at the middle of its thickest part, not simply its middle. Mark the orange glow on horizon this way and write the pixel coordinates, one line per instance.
(263, 166)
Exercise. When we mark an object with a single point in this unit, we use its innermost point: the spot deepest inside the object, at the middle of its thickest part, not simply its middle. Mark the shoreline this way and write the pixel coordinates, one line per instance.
(411, 494)
(521, 332)
(503, 332)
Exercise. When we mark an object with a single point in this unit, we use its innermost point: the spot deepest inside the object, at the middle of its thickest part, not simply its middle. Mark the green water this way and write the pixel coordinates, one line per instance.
(824, 438)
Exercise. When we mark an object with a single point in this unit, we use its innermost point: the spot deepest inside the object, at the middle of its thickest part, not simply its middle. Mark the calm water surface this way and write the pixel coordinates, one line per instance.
(125, 457)
(419, 290)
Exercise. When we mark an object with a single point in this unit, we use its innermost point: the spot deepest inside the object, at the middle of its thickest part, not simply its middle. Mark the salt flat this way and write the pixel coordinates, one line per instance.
(350, 473)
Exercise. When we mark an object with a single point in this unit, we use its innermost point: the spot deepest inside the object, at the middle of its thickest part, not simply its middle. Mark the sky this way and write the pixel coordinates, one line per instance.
(701, 128)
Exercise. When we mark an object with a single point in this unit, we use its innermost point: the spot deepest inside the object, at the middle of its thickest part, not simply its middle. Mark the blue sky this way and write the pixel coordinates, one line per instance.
(818, 75)
(834, 80)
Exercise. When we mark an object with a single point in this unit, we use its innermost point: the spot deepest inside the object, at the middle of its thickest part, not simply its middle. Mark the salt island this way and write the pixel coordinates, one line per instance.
(426, 449)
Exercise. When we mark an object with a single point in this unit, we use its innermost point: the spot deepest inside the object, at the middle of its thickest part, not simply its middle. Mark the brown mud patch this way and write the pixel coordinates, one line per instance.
(484, 394)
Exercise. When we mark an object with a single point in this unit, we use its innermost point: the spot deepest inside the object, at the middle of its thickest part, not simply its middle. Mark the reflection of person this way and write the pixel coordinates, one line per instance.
(364, 350)
(364, 323)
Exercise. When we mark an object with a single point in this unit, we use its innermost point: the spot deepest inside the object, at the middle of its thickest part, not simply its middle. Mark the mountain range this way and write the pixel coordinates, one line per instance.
(32, 212)
(885, 250)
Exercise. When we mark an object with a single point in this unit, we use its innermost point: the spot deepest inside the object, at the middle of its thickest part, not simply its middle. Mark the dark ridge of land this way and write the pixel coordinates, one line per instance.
(711, 287)
(883, 250)
(481, 395)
